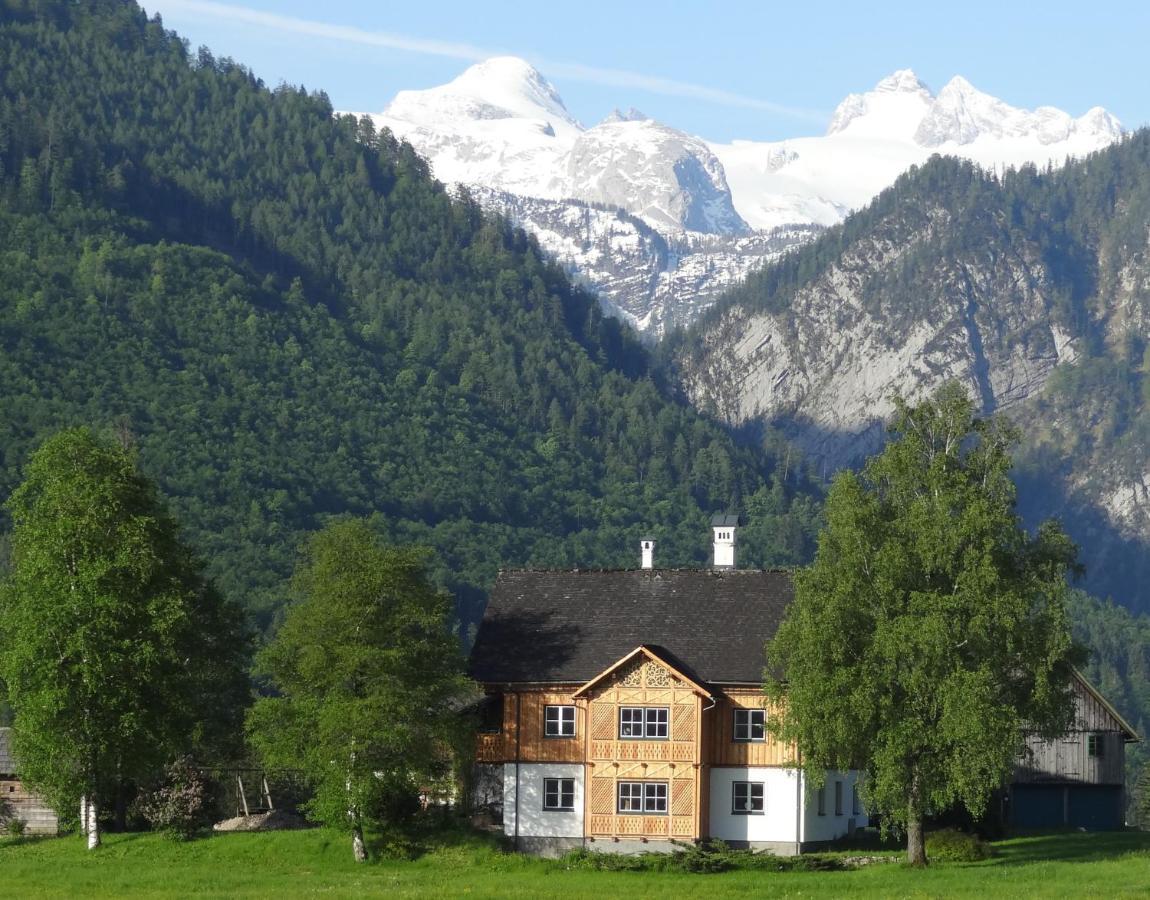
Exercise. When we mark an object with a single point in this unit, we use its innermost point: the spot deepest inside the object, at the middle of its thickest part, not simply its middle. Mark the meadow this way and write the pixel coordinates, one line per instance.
(318, 862)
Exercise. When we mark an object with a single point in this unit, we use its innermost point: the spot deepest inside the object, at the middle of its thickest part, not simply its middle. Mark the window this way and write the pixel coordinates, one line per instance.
(643, 797)
(1096, 746)
(747, 798)
(491, 714)
(822, 800)
(750, 725)
(559, 721)
(558, 794)
(644, 722)
(856, 806)
(838, 798)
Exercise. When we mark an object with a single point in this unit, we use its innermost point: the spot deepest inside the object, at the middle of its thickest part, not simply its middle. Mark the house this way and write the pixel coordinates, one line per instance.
(18, 803)
(1077, 781)
(625, 711)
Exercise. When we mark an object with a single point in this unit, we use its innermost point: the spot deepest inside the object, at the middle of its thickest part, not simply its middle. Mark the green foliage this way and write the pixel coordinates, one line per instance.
(293, 321)
(931, 628)
(368, 680)
(952, 845)
(708, 858)
(118, 654)
(15, 827)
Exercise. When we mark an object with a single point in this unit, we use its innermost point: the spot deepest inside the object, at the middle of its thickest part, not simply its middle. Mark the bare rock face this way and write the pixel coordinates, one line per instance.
(663, 176)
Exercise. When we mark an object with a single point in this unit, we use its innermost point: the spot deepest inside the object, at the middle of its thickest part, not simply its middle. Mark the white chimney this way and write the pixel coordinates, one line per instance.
(648, 546)
(723, 527)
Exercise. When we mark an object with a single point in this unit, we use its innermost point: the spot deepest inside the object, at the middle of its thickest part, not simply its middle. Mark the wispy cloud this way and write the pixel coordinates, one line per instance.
(471, 53)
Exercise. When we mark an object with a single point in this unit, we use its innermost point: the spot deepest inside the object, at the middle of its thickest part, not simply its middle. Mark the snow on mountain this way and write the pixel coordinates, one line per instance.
(665, 177)
(874, 137)
(501, 130)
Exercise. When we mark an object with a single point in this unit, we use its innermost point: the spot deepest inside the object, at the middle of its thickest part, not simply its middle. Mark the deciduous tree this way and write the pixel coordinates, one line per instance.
(118, 655)
(931, 630)
(367, 674)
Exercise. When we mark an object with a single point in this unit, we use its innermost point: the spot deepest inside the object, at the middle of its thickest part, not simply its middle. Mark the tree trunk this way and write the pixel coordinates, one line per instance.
(92, 826)
(915, 839)
(357, 845)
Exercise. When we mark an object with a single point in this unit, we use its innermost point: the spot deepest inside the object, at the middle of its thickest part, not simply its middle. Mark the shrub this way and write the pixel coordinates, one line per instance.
(703, 859)
(179, 806)
(952, 845)
(15, 827)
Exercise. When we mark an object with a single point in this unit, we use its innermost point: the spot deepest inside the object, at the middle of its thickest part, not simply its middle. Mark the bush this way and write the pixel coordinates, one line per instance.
(701, 859)
(952, 845)
(179, 806)
(15, 827)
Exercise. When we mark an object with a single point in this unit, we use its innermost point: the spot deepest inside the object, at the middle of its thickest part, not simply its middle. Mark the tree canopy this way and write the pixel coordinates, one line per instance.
(118, 655)
(931, 629)
(367, 678)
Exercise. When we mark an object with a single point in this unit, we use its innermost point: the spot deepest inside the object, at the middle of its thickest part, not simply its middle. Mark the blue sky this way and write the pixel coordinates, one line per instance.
(760, 70)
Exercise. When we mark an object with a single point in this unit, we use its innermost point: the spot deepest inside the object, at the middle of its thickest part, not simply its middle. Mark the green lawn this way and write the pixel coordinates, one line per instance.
(310, 863)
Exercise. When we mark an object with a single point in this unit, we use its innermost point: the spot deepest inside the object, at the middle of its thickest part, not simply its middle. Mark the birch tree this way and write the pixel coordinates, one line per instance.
(118, 655)
(367, 673)
(931, 628)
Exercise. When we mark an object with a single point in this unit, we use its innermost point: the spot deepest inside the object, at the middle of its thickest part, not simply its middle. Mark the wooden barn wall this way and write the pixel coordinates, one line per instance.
(18, 803)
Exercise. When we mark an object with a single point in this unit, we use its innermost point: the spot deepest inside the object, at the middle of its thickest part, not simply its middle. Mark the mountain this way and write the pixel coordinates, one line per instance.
(291, 320)
(501, 131)
(876, 136)
(1033, 289)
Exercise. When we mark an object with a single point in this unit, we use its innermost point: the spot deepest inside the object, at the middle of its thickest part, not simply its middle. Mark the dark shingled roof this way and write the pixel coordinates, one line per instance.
(7, 764)
(569, 626)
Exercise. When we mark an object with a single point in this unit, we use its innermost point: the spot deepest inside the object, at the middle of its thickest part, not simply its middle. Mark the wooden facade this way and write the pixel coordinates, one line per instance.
(700, 728)
(1093, 752)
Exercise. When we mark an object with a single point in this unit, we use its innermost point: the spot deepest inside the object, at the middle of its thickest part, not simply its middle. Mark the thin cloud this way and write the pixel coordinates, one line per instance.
(471, 53)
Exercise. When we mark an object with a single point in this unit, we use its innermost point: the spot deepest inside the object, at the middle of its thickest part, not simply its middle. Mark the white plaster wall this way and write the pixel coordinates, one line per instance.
(830, 826)
(782, 798)
(534, 821)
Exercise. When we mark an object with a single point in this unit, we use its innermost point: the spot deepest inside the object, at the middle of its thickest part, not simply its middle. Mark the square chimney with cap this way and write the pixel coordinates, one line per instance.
(723, 526)
(647, 545)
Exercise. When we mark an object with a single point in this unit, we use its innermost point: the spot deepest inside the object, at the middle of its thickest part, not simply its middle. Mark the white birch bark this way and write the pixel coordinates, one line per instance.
(93, 825)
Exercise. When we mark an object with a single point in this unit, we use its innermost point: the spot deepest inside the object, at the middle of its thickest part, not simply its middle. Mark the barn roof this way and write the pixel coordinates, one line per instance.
(568, 626)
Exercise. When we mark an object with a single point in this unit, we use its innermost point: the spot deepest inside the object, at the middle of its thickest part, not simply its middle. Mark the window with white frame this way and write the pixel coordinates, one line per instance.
(558, 794)
(838, 798)
(747, 798)
(856, 805)
(821, 797)
(648, 722)
(559, 721)
(750, 725)
(648, 797)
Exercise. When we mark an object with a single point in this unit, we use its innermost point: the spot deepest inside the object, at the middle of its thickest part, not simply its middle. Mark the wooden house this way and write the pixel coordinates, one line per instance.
(1078, 780)
(625, 711)
(16, 802)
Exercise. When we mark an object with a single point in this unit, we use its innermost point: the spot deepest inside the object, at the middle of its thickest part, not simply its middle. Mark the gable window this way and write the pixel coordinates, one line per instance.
(838, 798)
(559, 721)
(648, 722)
(750, 725)
(1096, 746)
(747, 798)
(643, 797)
(558, 794)
(822, 800)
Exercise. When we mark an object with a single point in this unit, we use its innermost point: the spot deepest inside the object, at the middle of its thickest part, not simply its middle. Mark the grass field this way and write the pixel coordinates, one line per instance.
(318, 863)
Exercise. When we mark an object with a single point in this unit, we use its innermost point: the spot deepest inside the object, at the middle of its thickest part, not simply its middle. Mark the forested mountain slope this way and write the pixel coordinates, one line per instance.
(292, 320)
(1032, 288)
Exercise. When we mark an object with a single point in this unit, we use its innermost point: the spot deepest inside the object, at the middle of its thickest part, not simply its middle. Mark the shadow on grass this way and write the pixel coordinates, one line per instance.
(1071, 847)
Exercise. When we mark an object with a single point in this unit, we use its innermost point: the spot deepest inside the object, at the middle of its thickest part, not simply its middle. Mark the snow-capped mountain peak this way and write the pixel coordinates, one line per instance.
(902, 81)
